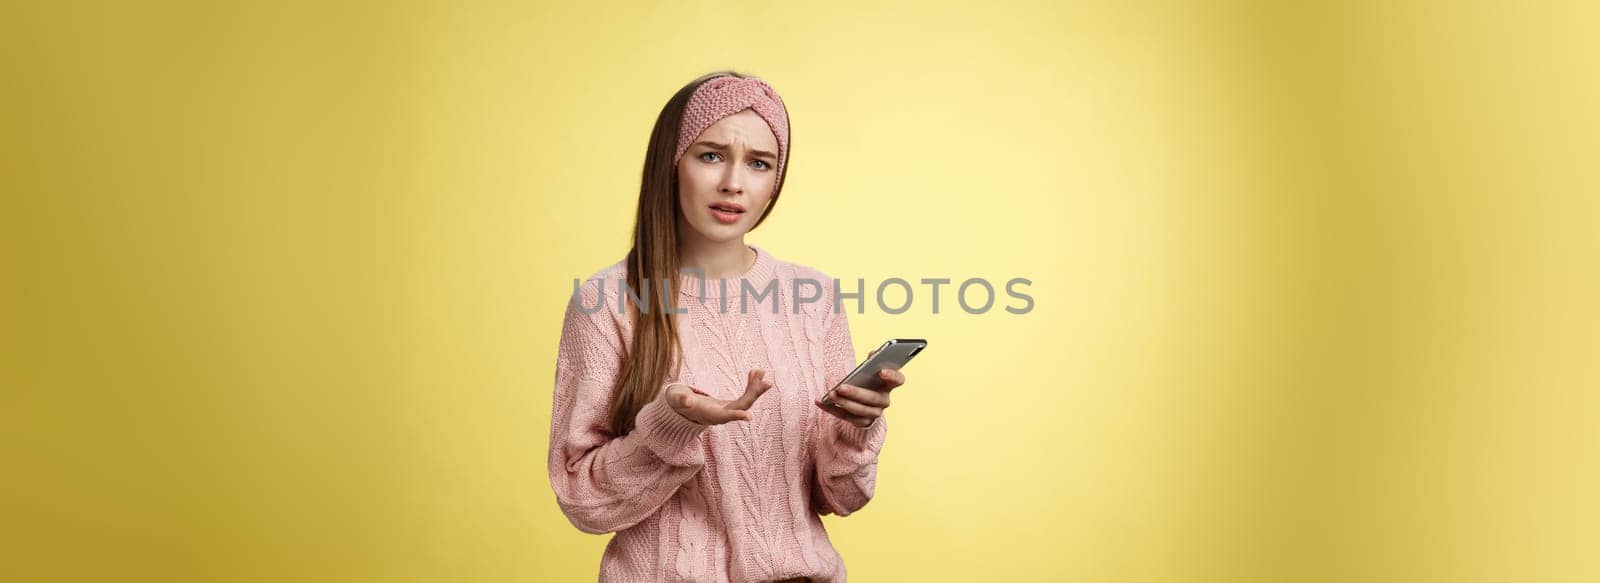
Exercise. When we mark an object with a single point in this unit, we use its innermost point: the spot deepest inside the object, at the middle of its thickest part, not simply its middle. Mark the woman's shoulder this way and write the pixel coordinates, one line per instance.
(598, 293)
(604, 281)
(592, 314)
(804, 279)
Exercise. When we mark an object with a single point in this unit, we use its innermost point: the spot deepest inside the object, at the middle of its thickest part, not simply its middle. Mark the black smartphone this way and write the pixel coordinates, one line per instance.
(893, 354)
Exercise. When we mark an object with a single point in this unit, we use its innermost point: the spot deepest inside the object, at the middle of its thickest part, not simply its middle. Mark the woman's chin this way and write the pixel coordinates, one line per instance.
(721, 233)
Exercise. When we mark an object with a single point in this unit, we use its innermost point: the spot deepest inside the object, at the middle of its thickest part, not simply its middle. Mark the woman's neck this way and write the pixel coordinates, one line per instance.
(719, 260)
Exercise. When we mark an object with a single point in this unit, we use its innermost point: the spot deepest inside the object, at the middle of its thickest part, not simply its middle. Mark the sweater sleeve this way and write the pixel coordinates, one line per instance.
(846, 456)
(605, 483)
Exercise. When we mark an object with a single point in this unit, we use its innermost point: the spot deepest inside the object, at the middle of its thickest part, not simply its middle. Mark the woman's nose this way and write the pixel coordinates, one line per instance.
(732, 183)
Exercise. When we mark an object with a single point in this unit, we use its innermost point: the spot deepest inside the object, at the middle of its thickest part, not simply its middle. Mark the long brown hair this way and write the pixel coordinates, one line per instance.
(654, 258)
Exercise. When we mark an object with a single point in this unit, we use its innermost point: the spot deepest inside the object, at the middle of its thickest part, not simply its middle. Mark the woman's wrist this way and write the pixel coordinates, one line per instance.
(847, 433)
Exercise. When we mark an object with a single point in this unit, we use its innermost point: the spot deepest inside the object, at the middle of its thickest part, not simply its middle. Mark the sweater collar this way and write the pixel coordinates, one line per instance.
(758, 277)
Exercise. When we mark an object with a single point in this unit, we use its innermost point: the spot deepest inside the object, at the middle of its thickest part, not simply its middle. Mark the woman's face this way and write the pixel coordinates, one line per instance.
(726, 177)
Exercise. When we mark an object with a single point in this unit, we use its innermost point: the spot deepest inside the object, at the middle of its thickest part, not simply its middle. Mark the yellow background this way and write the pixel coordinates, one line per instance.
(281, 283)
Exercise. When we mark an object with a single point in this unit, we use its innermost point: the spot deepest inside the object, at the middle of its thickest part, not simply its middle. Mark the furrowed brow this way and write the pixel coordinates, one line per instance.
(719, 146)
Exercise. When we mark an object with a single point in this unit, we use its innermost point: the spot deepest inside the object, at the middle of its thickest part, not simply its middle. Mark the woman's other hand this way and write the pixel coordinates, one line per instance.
(704, 409)
(860, 406)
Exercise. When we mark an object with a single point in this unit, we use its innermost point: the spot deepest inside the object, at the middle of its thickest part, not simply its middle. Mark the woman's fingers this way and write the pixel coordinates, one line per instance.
(756, 384)
(711, 411)
(856, 405)
(857, 408)
(700, 407)
(704, 409)
(835, 411)
(717, 415)
(862, 395)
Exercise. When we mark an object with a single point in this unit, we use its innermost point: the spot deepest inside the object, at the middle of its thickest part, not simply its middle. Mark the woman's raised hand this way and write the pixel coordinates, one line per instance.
(704, 409)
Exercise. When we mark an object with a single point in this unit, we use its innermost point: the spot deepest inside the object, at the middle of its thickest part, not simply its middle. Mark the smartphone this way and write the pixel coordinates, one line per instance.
(893, 354)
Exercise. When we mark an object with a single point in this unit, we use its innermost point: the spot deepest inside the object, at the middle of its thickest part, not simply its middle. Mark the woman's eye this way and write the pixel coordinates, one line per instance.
(763, 164)
(704, 154)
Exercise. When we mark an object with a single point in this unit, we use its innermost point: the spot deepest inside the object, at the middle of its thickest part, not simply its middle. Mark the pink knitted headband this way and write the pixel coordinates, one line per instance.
(725, 96)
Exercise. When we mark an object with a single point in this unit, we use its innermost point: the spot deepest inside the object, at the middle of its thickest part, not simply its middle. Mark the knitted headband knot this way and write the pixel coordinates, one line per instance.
(725, 96)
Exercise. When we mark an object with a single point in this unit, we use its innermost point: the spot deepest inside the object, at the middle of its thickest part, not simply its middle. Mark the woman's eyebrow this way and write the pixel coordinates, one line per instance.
(717, 146)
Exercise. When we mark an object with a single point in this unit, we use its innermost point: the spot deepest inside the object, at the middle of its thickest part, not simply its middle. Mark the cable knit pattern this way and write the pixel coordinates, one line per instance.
(725, 96)
(733, 502)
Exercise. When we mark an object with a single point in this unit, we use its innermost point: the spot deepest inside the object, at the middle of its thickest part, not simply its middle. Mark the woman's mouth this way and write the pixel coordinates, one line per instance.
(726, 212)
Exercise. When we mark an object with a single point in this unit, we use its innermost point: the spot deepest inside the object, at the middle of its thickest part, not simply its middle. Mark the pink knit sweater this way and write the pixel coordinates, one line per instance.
(732, 502)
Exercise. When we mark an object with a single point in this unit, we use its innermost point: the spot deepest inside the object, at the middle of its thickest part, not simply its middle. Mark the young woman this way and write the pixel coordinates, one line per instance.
(688, 416)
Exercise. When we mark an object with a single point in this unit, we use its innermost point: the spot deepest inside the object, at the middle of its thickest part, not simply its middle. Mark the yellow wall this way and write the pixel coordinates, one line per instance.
(281, 284)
